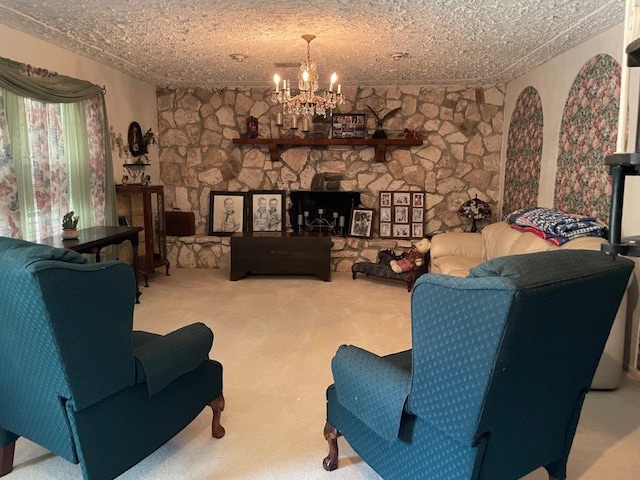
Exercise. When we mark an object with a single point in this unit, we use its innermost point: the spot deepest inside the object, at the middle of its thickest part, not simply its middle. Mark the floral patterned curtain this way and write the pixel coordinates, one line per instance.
(9, 209)
(54, 157)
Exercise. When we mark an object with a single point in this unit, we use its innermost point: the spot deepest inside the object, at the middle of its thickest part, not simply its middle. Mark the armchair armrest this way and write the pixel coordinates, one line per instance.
(459, 244)
(373, 388)
(166, 358)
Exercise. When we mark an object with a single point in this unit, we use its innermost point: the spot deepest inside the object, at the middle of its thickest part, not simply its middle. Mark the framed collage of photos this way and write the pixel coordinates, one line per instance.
(351, 125)
(402, 214)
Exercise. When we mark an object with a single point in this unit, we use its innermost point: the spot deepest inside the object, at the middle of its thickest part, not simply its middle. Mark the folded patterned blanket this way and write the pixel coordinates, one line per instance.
(553, 225)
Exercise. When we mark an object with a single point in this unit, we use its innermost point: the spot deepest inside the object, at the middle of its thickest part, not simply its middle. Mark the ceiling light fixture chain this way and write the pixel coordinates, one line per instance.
(307, 102)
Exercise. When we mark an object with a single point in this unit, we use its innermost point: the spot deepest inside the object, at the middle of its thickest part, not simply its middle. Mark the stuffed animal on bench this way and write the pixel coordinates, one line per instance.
(412, 258)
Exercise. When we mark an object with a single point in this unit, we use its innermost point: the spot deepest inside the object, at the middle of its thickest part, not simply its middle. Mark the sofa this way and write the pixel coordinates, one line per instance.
(455, 253)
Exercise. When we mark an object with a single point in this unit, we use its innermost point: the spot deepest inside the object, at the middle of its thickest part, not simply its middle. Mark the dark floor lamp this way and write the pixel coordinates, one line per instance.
(475, 209)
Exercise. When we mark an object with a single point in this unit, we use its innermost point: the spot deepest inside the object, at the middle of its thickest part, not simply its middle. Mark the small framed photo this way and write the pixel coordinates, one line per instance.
(385, 199)
(361, 222)
(417, 230)
(351, 125)
(402, 215)
(266, 210)
(417, 200)
(401, 230)
(385, 214)
(401, 198)
(385, 229)
(417, 215)
(227, 212)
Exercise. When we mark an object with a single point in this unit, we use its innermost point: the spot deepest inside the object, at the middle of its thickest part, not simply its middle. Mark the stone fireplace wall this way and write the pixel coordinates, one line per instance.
(462, 132)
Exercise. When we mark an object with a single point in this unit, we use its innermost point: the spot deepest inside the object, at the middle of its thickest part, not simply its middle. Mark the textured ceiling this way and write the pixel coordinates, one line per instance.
(190, 42)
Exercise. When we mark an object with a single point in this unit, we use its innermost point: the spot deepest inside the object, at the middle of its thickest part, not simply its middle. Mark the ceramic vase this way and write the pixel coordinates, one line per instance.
(69, 233)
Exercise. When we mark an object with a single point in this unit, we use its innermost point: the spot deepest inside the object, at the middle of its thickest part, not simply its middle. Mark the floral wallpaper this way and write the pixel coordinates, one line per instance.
(587, 134)
(524, 153)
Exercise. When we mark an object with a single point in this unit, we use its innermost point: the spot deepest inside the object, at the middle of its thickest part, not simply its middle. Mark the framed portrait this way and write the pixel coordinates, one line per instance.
(351, 125)
(361, 222)
(266, 211)
(402, 214)
(227, 212)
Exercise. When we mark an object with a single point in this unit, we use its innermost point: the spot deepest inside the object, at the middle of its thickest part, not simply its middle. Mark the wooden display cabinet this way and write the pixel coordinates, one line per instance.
(143, 206)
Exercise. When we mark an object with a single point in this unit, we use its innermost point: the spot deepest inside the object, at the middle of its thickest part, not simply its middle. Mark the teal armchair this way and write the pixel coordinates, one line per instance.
(494, 384)
(75, 377)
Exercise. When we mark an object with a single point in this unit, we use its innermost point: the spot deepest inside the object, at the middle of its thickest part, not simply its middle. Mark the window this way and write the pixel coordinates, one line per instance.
(53, 159)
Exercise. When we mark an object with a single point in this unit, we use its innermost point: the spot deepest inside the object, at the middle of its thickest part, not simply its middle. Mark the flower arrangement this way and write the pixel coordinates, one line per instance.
(70, 222)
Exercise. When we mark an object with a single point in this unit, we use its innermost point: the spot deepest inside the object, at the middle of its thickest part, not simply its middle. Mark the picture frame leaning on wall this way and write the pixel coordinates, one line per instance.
(227, 213)
(266, 211)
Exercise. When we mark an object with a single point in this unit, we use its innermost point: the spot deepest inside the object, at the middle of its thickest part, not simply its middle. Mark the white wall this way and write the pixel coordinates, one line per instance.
(553, 80)
(127, 98)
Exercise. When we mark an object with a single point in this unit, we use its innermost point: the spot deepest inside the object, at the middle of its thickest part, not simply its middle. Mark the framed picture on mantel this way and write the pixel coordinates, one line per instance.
(351, 125)
(402, 214)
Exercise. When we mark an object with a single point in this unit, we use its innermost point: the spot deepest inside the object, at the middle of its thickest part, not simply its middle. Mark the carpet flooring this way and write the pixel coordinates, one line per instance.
(275, 337)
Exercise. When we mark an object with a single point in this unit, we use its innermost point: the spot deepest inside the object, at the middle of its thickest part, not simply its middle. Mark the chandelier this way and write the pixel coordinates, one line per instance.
(307, 102)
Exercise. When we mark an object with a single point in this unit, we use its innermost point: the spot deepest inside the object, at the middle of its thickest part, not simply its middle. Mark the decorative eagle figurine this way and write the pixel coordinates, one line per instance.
(380, 133)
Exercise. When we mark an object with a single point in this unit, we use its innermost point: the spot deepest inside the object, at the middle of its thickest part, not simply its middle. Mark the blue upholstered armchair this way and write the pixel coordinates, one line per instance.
(494, 384)
(76, 379)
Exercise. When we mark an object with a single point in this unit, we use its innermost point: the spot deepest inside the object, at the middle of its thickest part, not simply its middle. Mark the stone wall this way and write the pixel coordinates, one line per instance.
(461, 127)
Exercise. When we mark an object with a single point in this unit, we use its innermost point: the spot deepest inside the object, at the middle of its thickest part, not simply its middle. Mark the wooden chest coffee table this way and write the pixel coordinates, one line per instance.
(281, 253)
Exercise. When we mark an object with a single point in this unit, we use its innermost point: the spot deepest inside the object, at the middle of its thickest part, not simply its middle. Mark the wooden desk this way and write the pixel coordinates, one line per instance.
(93, 239)
(281, 253)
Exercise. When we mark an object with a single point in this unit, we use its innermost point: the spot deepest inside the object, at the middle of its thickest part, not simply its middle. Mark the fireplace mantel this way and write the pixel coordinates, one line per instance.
(380, 144)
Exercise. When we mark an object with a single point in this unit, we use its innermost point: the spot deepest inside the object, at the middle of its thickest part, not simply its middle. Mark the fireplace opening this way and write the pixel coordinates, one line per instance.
(322, 211)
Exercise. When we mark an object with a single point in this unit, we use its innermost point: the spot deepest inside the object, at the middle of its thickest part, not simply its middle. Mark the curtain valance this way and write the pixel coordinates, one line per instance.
(54, 89)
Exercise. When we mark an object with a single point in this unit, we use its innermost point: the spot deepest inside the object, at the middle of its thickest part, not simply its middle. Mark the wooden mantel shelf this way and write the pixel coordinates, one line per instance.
(380, 144)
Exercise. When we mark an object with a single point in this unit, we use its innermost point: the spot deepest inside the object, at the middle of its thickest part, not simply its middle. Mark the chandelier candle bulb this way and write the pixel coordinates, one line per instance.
(334, 77)
(306, 214)
(279, 118)
(335, 214)
(320, 211)
(305, 124)
(294, 122)
(299, 219)
(341, 221)
(276, 79)
(339, 88)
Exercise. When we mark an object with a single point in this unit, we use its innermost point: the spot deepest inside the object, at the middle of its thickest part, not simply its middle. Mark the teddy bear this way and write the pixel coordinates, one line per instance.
(413, 258)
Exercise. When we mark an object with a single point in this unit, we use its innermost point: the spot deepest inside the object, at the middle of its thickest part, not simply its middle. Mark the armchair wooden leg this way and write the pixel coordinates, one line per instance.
(217, 405)
(6, 458)
(331, 435)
